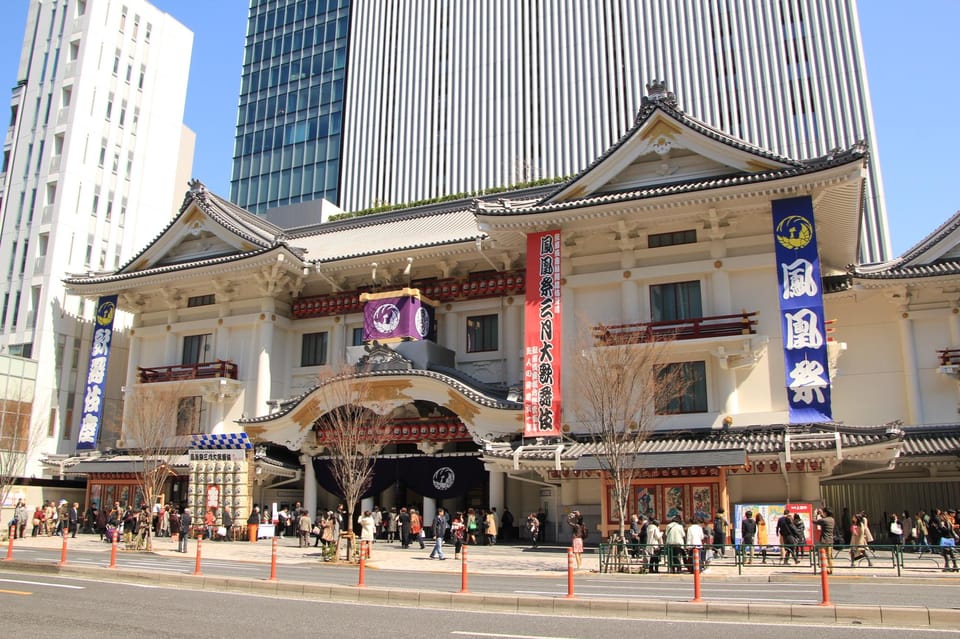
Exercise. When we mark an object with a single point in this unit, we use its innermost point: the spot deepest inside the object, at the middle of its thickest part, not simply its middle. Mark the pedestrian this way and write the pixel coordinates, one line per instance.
(654, 544)
(748, 537)
(439, 530)
(673, 542)
(763, 539)
(825, 523)
(37, 521)
(185, 521)
(542, 518)
(787, 533)
(491, 528)
(694, 541)
(304, 526)
(209, 522)
(506, 524)
(533, 526)
(19, 519)
(800, 534)
(368, 527)
(895, 531)
(472, 527)
(391, 520)
(416, 527)
(577, 533)
(403, 525)
(720, 527)
(456, 532)
(858, 541)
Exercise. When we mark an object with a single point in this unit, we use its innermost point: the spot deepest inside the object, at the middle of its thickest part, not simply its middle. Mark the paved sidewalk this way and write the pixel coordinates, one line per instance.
(503, 558)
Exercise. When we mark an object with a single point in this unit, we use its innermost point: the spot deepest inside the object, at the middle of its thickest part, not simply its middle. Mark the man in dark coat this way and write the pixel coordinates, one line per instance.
(403, 524)
(788, 536)
(185, 521)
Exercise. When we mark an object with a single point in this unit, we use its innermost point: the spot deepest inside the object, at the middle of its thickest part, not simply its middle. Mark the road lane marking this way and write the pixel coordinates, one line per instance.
(490, 634)
(40, 583)
(14, 592)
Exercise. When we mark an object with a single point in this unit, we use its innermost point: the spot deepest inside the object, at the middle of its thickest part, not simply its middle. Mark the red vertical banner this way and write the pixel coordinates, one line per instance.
(542, 344)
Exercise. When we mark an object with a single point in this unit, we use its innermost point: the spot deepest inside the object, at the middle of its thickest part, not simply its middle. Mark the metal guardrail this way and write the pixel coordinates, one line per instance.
(644, 559)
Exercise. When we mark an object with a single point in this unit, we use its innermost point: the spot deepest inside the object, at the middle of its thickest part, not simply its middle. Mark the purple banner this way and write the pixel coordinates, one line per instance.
(801, 311)
(399, 317)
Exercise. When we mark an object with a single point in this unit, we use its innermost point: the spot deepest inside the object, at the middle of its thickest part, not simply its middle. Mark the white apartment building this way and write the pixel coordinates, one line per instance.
(94, 161)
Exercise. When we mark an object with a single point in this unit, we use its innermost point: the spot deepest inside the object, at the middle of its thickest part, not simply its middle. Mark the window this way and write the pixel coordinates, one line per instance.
(656, 240)
(73, 52)
(129, 165)
(195, 348)
(675, 301)
(482, 333)
(136, 120)
(109, 212)
(146, 35)
(129, 73)
(103, 154)
(189, 413)
(96, 200)
(201, 300)
(123, 113)
(116, 162)
(136, 26)
(143, 74)
(357, 337)
(313, 351)
(123, 19)
(116, 62)
(690, 381)
(109, 106)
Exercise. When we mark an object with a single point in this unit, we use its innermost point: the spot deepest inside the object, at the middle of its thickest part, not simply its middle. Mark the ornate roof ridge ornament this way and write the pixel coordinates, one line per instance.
(657, 93)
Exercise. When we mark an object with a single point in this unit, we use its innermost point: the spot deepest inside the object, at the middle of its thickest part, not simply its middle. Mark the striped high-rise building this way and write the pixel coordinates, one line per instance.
(94, 162)
(366, 103)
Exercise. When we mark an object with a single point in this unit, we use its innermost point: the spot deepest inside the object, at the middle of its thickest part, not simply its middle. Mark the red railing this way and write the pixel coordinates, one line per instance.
(444, 429)
(949, 356)
(180, 372)
(694, 328)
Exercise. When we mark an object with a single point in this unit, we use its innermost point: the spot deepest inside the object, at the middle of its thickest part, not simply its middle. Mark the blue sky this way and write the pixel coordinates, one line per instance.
(910, 63)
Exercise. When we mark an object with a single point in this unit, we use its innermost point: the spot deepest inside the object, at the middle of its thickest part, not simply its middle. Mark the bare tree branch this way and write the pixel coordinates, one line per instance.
(152, 415)
(621, 393)
(353, 432)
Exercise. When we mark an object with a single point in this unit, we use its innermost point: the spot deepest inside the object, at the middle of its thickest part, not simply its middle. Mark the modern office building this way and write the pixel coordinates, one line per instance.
(367, 104)
(94, 161)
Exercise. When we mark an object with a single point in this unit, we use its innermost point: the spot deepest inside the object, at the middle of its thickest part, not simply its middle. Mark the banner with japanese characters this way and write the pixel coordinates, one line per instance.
(398, 316)
(801, 310)
(541, 352)
(93, 395)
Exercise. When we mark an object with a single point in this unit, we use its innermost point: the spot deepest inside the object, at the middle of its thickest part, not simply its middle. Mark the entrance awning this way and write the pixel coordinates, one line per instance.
(682, 459)
(123, 464)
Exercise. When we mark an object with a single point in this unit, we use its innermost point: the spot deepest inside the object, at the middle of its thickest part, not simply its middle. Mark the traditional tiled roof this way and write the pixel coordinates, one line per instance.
(755, 440)
(923, 441)
(480, 394)
(853, 155)
(897, 271)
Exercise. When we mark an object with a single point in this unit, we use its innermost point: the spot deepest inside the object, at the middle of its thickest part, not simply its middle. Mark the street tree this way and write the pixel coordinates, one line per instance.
(354, 431)
(622, 391)
(152, 415)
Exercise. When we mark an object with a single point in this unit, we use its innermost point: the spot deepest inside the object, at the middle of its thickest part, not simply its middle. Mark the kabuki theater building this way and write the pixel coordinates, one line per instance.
(811, 379)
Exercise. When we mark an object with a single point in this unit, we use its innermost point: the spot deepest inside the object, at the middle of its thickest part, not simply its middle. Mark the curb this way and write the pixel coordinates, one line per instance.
(580, 606)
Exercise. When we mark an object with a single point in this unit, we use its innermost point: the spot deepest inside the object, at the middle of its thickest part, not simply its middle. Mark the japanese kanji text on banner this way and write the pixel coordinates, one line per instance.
(97, 373)
(542, 344)
(801, 310)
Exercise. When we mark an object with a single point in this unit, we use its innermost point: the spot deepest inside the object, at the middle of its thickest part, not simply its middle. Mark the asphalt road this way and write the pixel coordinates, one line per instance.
(891, 592)
(42, 607)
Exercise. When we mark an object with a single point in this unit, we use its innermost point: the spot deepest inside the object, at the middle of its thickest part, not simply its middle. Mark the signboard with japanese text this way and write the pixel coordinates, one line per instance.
(396, 316)
(801, 311)
(541, 352)
(93, 395)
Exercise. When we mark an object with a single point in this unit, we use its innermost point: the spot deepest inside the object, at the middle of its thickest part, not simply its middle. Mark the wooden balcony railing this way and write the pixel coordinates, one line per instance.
(949, 357)
(181, 372)
(694, 328)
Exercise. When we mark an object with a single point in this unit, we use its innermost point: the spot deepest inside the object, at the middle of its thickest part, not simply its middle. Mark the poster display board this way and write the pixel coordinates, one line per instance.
(771, 514)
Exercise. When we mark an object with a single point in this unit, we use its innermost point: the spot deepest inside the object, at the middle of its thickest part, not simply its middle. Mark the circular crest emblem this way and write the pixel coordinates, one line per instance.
(794, 232)
(443, 478)
(386, 318)
(423, 321)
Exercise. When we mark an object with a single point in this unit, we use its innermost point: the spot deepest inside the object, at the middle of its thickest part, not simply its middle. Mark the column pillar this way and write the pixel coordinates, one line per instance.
(496, 483)
(263, 366)
(731, 402)
(309, 486)
(429, 511)
(954, 327)
(513, 340)
(908, 350)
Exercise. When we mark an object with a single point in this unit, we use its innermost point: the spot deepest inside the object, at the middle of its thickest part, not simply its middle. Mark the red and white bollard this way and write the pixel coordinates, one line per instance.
(63, 549)
(824, 582)
(463, 569)
(196, 569)
(113, 553)
(363, 559)
(273, 560)
(696, 576)
(13, 531)
(570, 594)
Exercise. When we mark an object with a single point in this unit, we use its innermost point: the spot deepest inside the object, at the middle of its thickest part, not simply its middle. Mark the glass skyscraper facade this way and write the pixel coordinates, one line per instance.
(287, 147)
